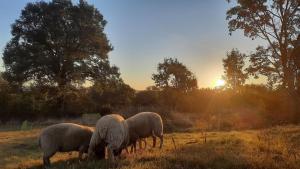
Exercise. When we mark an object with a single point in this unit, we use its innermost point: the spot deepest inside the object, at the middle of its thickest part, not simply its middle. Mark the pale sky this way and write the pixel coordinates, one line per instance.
(143, 32)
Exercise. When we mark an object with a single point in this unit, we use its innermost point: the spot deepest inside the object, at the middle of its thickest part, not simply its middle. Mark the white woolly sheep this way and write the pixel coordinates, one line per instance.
(143, 125)
(110, 131)
(64, 137)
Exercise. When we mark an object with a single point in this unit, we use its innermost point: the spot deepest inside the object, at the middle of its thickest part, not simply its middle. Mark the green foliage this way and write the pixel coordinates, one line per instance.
(113, 93)
(42, 103)
(276, 22)
(147, 98)
(234, 69)
(173, 74)
(57, 49)
(57, 43)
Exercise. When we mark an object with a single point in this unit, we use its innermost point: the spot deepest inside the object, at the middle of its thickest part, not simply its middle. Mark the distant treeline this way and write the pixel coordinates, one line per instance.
(252, 106)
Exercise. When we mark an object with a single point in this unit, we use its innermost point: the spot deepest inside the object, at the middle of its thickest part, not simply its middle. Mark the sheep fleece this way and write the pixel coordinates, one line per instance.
(64, 137)
(110, 129)
(145, 124)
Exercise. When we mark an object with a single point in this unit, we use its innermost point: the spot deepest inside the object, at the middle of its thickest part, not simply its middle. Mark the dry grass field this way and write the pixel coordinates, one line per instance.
(275, 148)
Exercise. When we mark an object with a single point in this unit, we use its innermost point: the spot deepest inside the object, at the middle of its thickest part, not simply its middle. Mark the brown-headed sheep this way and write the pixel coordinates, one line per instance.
(64, 137)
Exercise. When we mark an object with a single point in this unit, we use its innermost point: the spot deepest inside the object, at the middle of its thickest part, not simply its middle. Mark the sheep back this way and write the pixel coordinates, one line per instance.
(65, 137)
(144, 124)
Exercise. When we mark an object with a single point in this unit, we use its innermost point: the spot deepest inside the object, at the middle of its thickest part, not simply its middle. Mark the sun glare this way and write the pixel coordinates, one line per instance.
(220, 83)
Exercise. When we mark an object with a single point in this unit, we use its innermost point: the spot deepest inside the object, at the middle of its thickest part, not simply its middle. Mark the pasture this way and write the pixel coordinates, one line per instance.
(274, 148)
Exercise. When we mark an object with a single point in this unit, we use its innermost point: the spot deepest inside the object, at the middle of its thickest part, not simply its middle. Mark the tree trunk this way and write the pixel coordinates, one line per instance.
(288, 75)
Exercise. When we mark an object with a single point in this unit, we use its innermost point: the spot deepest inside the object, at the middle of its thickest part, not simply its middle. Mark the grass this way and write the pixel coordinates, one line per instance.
(275, 148)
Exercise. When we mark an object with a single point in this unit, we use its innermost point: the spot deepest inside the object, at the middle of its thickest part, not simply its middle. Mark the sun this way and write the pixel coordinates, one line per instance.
(220, 83)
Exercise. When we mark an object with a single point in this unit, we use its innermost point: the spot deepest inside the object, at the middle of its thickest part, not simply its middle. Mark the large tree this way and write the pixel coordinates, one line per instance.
(278, 23)
(295, 55)
(173, 74)
(58, 43)
(234, 69)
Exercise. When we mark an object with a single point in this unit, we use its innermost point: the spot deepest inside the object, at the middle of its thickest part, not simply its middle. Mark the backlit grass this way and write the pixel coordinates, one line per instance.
(275, 148)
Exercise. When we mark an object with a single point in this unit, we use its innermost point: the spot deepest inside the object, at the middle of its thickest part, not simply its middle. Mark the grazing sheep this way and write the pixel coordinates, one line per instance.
(143, 125)
(110, 131)
(116, 133)
(64, 137)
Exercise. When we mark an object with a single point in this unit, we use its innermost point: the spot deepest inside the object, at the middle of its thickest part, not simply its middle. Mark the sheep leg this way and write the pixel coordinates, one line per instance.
(127, 151)
(161, 141)
(154, 141)
(111, 156)
(140, 144)
(46, 161)
(46, 158)
(145, 143)
(99, 151)
(81, 151)
(80, 155)
(91, 150)
(133, 147)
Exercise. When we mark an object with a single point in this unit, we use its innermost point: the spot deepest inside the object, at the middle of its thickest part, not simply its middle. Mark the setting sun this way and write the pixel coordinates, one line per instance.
(220, 83)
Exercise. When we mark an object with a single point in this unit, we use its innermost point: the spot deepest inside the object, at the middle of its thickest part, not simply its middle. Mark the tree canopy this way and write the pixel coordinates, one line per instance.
(278, 23)
(58, 43)
(173, 74)
(234, 69)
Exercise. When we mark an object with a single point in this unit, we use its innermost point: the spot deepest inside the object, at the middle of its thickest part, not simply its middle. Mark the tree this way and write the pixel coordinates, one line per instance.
(113, 93)
(148, 97)
(278, 23)
(295, 55)
(173, 74)
(233, 69)
(58, 44)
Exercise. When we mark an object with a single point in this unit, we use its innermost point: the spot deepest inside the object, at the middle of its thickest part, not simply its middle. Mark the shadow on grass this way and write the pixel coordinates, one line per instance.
(214, 155)
(73, 163)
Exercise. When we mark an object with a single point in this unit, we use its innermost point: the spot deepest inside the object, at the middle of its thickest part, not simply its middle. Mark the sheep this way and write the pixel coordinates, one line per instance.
(143, 125)
(110, 131)
(116, 133)
(64, 137)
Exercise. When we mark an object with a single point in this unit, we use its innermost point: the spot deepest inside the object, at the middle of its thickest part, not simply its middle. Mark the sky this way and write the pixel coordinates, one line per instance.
(144, 32)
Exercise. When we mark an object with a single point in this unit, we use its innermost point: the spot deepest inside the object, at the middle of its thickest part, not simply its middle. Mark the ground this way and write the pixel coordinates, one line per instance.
(274, 148)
